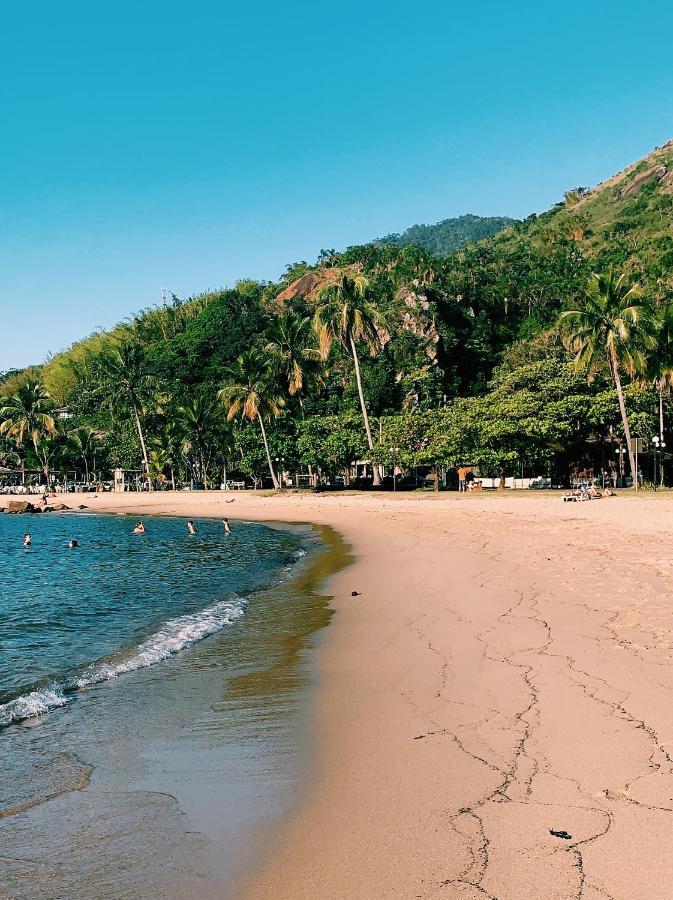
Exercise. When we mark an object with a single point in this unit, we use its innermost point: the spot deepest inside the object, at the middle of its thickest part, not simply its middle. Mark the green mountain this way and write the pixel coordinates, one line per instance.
(625, 221)
(468, 363)
(449, 234)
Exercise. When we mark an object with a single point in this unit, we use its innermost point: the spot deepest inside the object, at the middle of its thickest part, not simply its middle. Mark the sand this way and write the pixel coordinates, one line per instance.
(506, 672)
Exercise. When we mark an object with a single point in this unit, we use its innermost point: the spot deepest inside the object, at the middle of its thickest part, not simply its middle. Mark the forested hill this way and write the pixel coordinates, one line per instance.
(449, 234)
(462, 356)
(624, 222)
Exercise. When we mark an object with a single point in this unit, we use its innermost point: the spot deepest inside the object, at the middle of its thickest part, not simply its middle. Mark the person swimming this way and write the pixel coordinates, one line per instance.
(72, 544)
(190, 527)
(227, 526)
(139, 529)
(27, 540)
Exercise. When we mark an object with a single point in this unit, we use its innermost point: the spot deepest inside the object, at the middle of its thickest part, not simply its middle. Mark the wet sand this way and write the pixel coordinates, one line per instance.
(506, 672)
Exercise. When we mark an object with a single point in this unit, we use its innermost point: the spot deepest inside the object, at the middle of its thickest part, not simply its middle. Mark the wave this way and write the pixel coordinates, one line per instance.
(174, 636)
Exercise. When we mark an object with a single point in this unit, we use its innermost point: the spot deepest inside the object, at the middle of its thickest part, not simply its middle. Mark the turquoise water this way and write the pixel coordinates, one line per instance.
(118, 602)
(152, 705)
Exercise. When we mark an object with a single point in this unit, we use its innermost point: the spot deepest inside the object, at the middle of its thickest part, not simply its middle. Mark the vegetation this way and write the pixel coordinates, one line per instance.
(449, 234)
(541, 349)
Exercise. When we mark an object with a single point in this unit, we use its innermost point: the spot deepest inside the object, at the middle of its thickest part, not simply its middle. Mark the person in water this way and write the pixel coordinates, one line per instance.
(190, 527)
(72, 544)
(139, 529)
(227, 526)
(27, 540)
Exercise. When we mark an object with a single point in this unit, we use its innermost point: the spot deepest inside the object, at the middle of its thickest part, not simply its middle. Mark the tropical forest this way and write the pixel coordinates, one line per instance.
(535, 347)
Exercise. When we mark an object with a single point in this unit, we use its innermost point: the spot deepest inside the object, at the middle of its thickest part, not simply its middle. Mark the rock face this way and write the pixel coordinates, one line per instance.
(21, 506)
(656, 172)
(25, 506)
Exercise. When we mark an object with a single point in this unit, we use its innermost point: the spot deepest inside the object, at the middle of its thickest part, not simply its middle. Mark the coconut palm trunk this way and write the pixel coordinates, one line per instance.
(625, 420)
(274, 477)
(363, 407)
(141, 436)
(660, 390)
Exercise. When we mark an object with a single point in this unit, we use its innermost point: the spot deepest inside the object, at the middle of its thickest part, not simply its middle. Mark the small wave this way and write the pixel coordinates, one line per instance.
(175, 635)
(33, 704)
(299, 553)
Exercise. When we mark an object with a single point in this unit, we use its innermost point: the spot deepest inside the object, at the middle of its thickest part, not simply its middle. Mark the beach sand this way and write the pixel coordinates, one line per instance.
(506, 671)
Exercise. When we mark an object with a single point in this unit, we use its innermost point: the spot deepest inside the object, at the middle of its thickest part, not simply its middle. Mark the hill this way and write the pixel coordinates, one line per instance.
(463, 358)
(449, 234)
(625, 221)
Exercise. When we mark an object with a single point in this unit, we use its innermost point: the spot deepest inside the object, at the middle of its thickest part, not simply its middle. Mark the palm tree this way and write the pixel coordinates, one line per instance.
(28, 415)
(84, 441)
(660, 360)
(292, 357)
(125, 384)
(166, 450)
(197, 420)
(253, 394)
(346, 315)
(615, 323)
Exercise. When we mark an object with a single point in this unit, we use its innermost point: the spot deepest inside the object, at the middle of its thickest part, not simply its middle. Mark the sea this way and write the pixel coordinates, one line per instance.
(153, 700)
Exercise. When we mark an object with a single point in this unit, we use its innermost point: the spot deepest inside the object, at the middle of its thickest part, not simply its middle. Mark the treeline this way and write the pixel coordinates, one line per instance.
(380, 352)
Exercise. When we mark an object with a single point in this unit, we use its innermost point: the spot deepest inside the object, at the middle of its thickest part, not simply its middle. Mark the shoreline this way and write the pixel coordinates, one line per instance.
(505, 673)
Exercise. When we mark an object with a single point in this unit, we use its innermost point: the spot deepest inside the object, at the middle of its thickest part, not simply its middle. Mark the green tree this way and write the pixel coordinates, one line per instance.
(166, 451)
(613, 323)
(293, 358)
(28, 415)
(84, 441)
(198, 419)
(253, 394)
(125, 386)
(660, 360)
(346, 315)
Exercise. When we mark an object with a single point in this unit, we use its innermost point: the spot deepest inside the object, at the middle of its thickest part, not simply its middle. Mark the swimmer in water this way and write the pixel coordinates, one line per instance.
(227, 526)
(190, 527)
(139, 529)
(72, 544)
(27, 540)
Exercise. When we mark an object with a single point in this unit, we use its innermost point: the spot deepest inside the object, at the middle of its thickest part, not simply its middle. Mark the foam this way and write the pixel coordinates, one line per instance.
(175, 635)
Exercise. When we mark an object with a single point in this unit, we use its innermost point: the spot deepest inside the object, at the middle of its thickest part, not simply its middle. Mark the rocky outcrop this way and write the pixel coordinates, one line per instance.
(18, 507)
(22, 506)
(633, 187)
(418, 319)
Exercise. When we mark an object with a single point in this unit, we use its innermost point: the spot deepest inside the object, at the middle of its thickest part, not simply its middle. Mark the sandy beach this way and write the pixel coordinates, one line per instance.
(505, 672)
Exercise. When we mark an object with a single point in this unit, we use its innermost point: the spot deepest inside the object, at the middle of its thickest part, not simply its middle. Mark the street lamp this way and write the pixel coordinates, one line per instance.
(659, 446)
(395, 450)
(620, 451)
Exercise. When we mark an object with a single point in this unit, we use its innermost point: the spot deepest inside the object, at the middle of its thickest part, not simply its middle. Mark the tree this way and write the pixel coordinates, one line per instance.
(198, 418)
(125, 386)
(166, 451)
(613, 323)
(84, 441)
(660, 360)
(253, 394)
(28, 415)
(292, 357)
(346, 315)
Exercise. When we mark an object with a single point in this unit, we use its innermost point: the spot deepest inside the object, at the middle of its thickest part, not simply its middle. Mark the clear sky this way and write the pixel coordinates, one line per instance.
(186, 145)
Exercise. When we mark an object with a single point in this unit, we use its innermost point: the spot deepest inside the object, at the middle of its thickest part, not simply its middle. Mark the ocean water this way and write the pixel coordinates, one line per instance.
(152, 700)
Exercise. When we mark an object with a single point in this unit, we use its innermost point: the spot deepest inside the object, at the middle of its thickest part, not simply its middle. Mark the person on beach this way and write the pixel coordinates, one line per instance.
(227, 526)
(27, 540)
(462, 472)
(190, 527)
(139, 529)
(72, 544)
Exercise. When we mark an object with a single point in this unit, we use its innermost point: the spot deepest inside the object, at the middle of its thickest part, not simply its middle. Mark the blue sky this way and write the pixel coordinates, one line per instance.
(149, 145)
